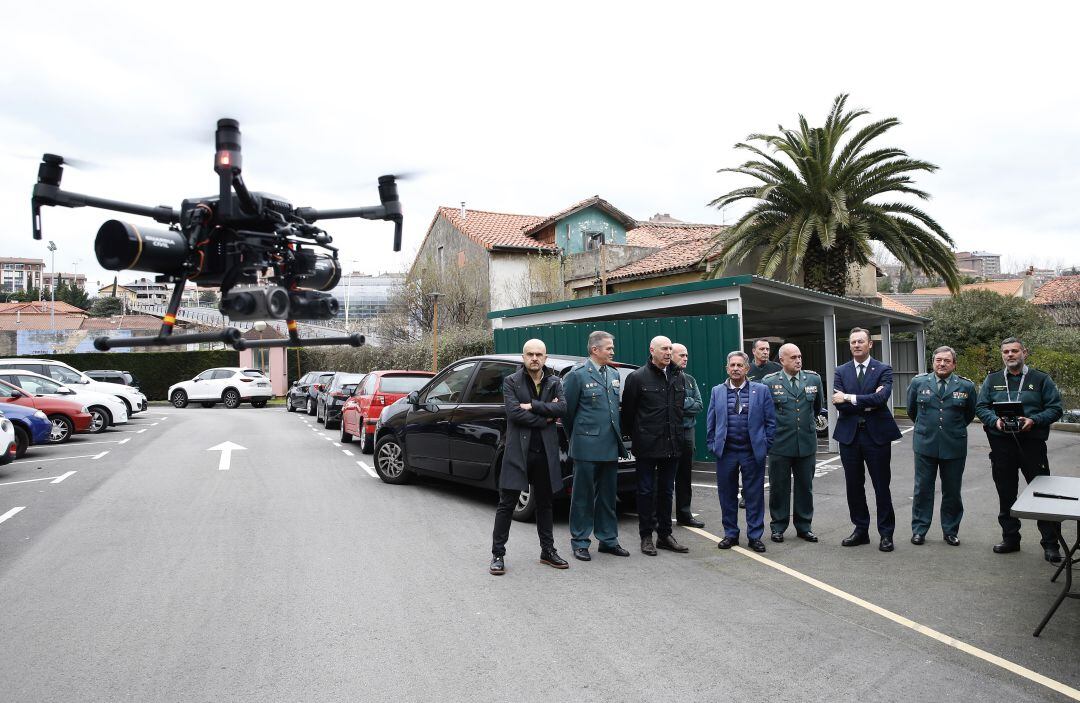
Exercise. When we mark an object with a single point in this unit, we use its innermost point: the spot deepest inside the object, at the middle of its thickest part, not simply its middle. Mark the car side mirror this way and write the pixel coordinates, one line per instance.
(295, 384)
(64, 390)
(413, 398)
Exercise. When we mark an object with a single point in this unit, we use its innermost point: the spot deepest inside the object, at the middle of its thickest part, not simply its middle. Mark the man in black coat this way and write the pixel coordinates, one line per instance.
(652, 414)
(534, 399)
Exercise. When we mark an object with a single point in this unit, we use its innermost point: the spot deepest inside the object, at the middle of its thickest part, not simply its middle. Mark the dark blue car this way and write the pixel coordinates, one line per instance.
(31, 426)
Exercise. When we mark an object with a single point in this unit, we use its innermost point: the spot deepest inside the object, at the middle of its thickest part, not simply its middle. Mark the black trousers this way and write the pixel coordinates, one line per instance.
(683, 490)
(540, 488)
(1028, 456)
(655, 484)
(876, 458)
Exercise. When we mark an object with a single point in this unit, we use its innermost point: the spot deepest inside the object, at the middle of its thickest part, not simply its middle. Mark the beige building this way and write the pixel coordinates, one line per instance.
(18, 275)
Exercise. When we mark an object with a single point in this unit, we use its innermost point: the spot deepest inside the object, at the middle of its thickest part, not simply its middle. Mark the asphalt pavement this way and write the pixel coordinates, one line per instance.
(157, 570)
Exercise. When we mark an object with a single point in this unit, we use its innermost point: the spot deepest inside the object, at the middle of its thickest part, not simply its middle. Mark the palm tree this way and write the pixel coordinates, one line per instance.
(821, 212)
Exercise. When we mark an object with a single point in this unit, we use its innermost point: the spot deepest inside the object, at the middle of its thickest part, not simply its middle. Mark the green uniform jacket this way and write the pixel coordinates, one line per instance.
(692, 405)
(592, 413)
(1039, 397)
(796, 432)
(941, 423)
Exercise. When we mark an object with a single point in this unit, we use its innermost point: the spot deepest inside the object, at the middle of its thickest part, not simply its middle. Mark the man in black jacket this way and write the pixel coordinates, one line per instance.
(652, 414)
(534, 399)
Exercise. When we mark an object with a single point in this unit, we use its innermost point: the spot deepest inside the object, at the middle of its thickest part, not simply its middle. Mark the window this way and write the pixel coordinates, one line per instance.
(402, 384)
(252, 373)
(487, 386)
(368, 386)
(222, 374)
(6, 391)
(63, 374)
(34, 385)
(450, 386)
(206, 375)
(592, 240)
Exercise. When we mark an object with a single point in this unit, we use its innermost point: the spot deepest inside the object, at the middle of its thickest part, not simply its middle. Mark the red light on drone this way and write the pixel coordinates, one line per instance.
(225, 158)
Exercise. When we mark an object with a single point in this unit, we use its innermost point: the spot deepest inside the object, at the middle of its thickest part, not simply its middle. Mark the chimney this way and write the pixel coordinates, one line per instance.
(463, 209)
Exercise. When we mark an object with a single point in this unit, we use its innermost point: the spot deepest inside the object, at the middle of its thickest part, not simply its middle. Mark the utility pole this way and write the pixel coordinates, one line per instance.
(52, 289)
(435, 334)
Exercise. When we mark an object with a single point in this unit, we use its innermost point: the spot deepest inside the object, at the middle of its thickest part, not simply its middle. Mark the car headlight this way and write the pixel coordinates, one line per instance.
(40, 415)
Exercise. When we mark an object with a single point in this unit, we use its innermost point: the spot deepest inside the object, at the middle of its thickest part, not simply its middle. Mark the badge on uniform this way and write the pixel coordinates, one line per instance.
(962, 395)
(1031, 386)
(926, 391)
(811, 389)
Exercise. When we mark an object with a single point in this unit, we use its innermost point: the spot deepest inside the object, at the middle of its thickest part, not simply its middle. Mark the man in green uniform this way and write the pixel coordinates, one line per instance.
(942, 405)
(1023, 450)
(592, 424)
(798, 397)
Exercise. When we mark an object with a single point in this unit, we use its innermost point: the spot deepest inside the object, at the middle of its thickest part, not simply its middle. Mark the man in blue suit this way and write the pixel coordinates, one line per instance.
(741, 426)
(865, 430)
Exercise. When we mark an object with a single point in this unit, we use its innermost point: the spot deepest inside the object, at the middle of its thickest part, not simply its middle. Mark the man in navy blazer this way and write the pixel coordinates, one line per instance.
(741, 425)
(865, 430)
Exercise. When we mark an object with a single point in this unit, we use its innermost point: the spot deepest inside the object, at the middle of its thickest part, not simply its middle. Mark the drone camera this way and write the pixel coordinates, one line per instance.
(120, 246)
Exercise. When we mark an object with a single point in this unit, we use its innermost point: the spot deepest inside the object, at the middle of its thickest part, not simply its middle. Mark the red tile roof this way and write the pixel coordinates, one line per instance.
(38, 307)
(122, 322)
(494, 229)
(1063, 289)
(596, 201)
(40, 322)
(890, 303)
(1012, 286)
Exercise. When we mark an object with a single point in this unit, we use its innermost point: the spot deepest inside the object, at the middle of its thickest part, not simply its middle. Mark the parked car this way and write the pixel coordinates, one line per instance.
(124, 378)
(378, 389)
(8, 447)
(311, 401)
(134, 401)
(31, 426)
(66, 416)
(332, 397)
(454, 427)
(106, 410)
(301, 391)
(229, 386)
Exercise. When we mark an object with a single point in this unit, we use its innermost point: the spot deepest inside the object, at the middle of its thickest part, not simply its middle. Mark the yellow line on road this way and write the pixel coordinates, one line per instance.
(1028, 674)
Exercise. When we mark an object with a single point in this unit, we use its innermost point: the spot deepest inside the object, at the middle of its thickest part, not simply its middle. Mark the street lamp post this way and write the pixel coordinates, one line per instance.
(52, 289)
(435, 333)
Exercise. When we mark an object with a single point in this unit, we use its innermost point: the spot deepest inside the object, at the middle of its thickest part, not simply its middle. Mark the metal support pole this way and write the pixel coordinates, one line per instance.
(886, 354)
(829, 321)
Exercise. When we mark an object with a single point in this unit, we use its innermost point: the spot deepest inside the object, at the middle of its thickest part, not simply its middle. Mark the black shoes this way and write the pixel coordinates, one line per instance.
(777, 537)
(1052, 554)
(498, 566)
(582, 553)
(689, 521)
(756, 544)
(647, 546)
(727, 543)
(952, 540)
(552, 558)
(918, 539)
(809, 536)
(855, 539)
(886, 544)
(616, 550)
(1006, 547)
(668, 542)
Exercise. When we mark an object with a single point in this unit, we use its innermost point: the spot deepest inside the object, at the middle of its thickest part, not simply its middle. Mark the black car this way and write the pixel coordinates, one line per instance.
(454, 427)
(332, 397)
(124, 378)
(301, 395)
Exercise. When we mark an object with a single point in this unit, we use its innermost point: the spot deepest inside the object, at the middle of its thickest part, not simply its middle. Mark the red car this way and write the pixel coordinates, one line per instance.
(67, 416)
(379, 389)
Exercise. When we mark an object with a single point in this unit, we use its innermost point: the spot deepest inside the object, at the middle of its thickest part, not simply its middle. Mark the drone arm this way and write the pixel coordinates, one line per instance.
(45, 194)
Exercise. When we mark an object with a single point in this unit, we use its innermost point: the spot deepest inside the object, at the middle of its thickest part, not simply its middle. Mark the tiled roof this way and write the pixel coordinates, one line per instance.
(40, 322)
(1012, 286)
(676, 256)
(494, 229)
(918, 303)
(122, 322)
(39, 307)
(596, 201)
(890, 303)
(1063, 289)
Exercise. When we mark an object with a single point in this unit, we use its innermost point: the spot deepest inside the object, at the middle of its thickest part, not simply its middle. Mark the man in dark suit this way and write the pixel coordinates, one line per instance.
(534, 399)
(741, 426)
(593, 427)
(865, 430)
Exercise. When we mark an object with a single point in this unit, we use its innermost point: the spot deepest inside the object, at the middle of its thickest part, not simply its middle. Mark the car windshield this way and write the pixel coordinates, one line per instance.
(346, 378)
(64, 374)
(402, 384)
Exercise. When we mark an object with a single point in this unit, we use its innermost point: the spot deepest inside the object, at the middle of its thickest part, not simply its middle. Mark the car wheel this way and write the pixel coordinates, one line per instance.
(346, 438)
(367, 444)
(62, 429)
(179, 399)
(231, 398)
(258, 403)
(318, 415)
(22, 441)
(100, 419)
(288, 405)
(525, 510)
(310, 406)
(331, 424)
(390, 461)
(127, 405)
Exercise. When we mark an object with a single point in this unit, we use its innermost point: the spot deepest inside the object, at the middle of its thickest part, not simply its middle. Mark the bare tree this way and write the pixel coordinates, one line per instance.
(543, 284)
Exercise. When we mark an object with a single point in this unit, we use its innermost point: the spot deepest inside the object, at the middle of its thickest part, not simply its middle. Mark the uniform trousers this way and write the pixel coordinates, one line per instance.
(592, 503)
(927, 469)
(683, 476)
(782, 471)
(732, 465)
(1008, 454)
(876, 459)
(655, 485)
(540, 491)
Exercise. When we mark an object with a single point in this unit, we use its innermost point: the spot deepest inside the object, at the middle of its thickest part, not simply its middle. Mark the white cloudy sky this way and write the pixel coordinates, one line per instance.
(528, 107)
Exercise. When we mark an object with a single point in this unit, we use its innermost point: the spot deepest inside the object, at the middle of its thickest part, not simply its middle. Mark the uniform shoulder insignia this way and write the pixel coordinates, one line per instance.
(920, 375)
(965, 378)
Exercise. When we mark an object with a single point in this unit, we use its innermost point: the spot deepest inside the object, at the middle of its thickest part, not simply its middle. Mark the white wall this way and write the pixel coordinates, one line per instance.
(509, 279)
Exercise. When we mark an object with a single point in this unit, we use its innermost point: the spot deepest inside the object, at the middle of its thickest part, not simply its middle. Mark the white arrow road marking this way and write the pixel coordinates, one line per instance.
(11, 513)
(226, 449)
(52, 479)
(367, 468)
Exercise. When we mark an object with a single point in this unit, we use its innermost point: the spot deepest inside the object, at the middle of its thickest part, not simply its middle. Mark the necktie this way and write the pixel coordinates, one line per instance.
(795, 384)
(860, 375)
(738, 402)
(941, 387)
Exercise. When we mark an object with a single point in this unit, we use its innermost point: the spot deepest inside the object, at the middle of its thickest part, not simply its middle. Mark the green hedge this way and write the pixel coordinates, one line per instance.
(156, 371)
(1063, 367)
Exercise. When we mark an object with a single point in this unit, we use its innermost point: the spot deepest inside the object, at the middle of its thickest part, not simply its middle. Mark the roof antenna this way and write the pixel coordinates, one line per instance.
(463, 209)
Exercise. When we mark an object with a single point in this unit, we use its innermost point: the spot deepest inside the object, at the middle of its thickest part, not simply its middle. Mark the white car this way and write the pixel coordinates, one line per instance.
(228, 385)
(134, 401)
(8, 446)
(106, 410)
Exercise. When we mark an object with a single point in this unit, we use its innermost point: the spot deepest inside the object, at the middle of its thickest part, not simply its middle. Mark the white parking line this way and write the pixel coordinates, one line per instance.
(153, 424)
(367, 468)
(98, 456)
(347, 452)
(112, 441)
(336, 444)
(12, 513)
(55, 458)
(58, 479)
(53, 479)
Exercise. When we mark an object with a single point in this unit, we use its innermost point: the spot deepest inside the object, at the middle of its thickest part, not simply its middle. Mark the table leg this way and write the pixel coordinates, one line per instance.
(1067, 564)
(1070, 554)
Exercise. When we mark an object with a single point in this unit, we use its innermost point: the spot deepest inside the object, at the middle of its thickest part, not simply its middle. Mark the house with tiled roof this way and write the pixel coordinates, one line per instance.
(1061, 298)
